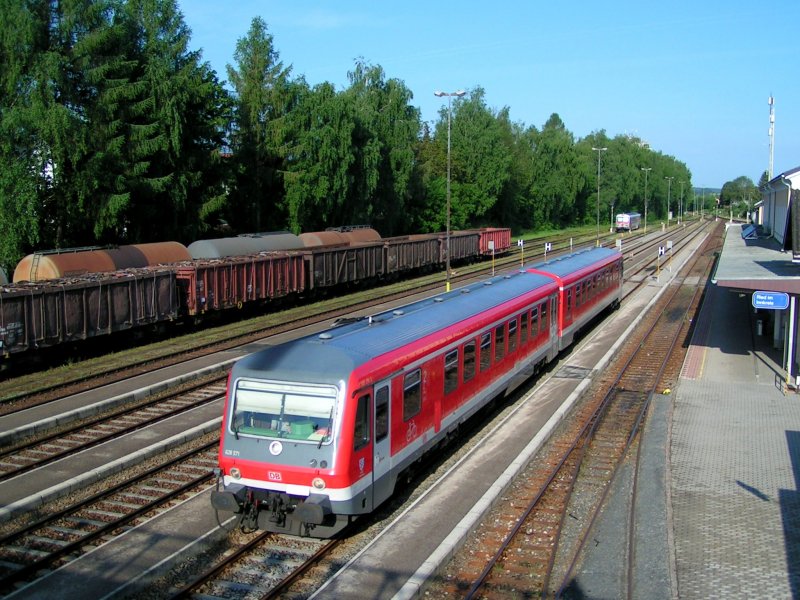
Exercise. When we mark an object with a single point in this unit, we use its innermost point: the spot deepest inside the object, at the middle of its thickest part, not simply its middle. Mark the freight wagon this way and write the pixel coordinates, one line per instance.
(38, 315)
(221, 274)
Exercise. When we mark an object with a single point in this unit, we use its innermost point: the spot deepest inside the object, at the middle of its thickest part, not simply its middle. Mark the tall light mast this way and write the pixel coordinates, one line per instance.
(771, 135)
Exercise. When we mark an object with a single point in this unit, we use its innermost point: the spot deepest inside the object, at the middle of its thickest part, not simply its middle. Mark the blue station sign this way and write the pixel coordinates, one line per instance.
(771, 300)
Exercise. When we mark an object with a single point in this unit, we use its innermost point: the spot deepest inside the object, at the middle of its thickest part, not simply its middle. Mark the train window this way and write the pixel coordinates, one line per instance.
(283, 410)
(469, 360)
(535, 321)
(486, 350)
(361, 429)
(499, 342)
(523, 329)
(569, 301)
(450, 371)
(381, 413)
(543, 316)
(512, 335)
(412, 394)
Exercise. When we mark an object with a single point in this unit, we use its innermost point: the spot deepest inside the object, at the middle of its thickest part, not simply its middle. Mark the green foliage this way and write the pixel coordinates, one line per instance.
(112, 130)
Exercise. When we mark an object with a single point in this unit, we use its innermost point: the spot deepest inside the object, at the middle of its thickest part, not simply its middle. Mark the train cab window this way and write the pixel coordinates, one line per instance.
(499, 342)
(534, 322)
(381, 413)
(523, 327)
(450, 371)
(283, 410)
(361, 430)
(486, 350)
(412, 394)
(469, 360)
(512, 335)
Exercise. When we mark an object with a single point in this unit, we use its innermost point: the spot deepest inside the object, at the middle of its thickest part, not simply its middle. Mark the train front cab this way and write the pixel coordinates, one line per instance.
(278, 458)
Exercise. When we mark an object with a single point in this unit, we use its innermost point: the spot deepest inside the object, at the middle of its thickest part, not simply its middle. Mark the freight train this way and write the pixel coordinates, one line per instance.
(320, 430)
(69, 296)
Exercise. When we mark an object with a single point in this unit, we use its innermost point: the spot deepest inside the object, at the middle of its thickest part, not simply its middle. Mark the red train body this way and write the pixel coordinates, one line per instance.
(319, 430)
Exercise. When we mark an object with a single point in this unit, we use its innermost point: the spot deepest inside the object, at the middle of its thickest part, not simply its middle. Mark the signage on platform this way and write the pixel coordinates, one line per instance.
(771, 300)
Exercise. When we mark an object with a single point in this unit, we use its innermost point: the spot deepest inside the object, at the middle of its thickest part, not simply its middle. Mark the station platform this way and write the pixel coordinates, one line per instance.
(734, 460)
(717, 513)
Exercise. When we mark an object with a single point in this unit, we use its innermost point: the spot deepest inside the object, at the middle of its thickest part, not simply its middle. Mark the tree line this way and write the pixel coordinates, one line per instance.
(113, 130)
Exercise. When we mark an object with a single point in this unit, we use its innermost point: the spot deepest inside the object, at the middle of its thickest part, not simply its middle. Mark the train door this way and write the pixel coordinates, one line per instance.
(381, 464)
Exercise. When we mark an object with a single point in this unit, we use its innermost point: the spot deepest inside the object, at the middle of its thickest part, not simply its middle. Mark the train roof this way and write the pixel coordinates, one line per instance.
(329, 356)
(572, 263)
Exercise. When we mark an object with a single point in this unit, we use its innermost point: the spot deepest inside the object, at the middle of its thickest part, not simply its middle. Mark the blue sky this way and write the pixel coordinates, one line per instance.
(691, 78)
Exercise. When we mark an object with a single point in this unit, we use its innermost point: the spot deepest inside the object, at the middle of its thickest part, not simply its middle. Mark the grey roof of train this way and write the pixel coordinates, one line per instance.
(354, 343)
(564, 265)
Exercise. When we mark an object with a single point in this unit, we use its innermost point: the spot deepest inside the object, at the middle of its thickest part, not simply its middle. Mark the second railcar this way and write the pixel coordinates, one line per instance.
(589, 282)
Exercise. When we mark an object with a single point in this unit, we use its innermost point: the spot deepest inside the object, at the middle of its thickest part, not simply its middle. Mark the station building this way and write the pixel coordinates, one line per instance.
(762, 261)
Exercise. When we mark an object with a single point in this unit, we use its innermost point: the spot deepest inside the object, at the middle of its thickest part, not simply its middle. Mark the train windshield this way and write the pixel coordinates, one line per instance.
(283, 410)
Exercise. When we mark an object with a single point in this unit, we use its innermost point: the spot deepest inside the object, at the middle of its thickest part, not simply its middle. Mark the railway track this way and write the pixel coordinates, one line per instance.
(43, 546)
(50, 448)
(264, 567)
(33, 390)
(529, 546)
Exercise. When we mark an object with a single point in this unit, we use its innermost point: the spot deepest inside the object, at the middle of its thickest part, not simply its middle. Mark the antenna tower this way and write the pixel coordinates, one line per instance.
(771, 136)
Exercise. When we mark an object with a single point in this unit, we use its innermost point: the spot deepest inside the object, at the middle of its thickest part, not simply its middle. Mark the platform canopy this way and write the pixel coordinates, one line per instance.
(757, 262)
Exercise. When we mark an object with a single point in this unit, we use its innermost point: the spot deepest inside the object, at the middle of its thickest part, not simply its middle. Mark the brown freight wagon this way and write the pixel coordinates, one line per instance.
(38, 315)
(414, 252)
(230, 282)
(337, 265)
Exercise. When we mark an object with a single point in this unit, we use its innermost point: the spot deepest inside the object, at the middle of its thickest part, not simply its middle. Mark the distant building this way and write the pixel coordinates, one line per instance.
(780, 211)
(762, 261)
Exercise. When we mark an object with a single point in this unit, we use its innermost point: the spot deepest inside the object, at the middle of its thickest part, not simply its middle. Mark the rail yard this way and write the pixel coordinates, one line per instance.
(43, 483)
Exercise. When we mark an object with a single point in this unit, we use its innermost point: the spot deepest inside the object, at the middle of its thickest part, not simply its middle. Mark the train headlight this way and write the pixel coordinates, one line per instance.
(235, 473)
(318, 483)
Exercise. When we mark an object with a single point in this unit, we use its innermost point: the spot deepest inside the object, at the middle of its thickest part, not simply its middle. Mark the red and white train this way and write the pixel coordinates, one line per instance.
(318, 430)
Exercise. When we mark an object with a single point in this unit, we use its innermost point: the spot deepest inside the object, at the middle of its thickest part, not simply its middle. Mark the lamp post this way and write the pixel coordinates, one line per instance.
(680, 204)
(669, 191)
(449, 96)
(646, 171)
(598, 150)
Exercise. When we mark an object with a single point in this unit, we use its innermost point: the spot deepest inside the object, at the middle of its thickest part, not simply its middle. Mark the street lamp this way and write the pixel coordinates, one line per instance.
(598, 150)
(669, 190)
(449, 96)
(646, 171)
(680, 204)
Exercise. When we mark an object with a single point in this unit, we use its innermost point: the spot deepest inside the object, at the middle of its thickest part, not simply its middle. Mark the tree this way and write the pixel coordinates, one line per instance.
(263, 100)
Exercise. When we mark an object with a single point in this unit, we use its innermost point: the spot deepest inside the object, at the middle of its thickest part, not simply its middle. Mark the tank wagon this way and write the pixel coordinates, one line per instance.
(209, 275)
(319, 430)
(628, 221)
(57, 264)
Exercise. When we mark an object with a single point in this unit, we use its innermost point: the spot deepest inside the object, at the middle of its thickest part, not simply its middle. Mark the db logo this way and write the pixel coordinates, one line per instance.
(273, 476)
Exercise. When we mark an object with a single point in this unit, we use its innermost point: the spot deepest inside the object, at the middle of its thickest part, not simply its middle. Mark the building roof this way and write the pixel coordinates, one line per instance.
(755, 264)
